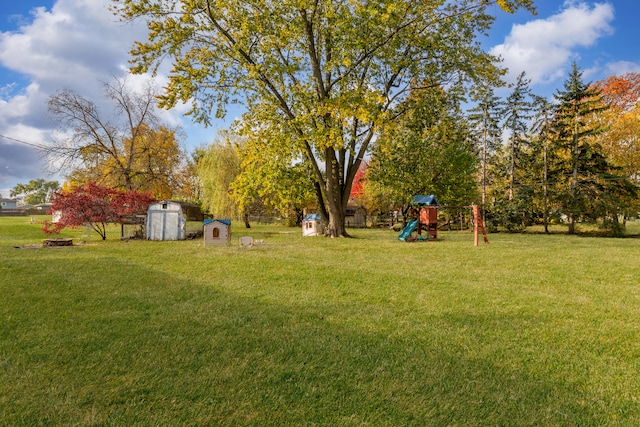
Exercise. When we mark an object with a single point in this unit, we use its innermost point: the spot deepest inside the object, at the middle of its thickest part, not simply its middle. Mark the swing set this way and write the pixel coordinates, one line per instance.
(424, 217)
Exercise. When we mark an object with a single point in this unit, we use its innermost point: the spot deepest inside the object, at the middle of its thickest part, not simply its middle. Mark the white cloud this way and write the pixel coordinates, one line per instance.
(619, 68)
(74, 43)
(79, 45)
(544, 47)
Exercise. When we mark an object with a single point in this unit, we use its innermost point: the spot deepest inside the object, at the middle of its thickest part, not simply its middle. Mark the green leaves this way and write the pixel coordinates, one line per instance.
(330, 71)
(426, 153)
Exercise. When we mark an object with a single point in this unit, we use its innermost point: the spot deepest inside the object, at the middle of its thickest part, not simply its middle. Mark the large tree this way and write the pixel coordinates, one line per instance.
(124, 148)
(217, 168)
(36, 191)
(428, 152)
(484, 122)
(517, 115)
(511, 187)
(541, 137)
(330, 71)
(582, 170)
(621, 142)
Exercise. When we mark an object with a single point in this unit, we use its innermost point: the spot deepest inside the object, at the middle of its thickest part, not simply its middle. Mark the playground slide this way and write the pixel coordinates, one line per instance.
(408, 229)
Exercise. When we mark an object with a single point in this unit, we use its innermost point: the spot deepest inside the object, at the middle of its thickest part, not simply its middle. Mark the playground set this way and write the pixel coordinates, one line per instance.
(423, 217)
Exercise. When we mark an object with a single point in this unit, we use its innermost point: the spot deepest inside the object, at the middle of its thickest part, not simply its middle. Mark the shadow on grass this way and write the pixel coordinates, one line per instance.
(155, 349)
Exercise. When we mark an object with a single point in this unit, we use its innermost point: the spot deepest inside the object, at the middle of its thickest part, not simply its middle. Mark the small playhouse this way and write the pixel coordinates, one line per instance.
(312, 225)
(217, 231)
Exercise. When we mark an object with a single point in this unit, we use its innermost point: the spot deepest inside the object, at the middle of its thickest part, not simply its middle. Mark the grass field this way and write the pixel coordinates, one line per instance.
(530, 330)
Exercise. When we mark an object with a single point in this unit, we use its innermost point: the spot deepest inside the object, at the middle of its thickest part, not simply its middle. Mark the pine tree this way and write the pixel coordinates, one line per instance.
(542, 134)
(513, 197)
(484, 120)
(581, 162)
(517, 115)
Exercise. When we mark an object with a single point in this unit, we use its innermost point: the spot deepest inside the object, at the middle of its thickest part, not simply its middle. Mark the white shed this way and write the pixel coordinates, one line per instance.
(165, 221)
(312, 225)
(217, 231)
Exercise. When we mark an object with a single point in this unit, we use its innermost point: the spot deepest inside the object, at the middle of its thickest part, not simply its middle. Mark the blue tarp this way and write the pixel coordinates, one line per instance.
(425, 200)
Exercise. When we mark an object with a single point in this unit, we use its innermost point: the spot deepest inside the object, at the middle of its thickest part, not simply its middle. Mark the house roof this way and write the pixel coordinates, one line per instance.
(312, 217)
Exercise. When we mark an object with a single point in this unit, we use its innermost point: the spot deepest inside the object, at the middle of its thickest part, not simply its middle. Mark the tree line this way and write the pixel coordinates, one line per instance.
(330, 86)
(524, 159)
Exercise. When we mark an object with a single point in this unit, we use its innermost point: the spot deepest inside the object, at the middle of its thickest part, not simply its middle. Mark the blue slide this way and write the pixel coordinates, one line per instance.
(408, 229)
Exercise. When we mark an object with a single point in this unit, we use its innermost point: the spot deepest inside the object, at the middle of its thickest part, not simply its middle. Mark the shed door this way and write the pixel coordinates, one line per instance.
(164, 225)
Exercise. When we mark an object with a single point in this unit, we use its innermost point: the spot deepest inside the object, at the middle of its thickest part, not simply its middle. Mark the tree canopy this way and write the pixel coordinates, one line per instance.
(621, 143)
(428, 152)
(96, 206)
(576, 102)
(329, 72)
(126, 148)
(217, 168)
(36, 191)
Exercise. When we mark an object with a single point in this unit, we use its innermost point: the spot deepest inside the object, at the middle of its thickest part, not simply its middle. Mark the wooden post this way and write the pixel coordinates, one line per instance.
(475, 225)
(478, 224)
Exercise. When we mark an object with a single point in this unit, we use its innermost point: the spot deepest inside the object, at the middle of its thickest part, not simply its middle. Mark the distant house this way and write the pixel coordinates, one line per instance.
(43, 208)
(217, 231)
(8, 204)
(355, 216)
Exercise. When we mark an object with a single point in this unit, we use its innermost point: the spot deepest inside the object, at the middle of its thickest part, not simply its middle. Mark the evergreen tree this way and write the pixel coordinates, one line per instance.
(542, 134)
(512, 194)
(517, 115)
(589, 186)
(484, 120)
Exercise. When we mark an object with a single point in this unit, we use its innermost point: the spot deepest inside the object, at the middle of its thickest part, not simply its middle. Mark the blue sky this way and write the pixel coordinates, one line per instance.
(48, 45)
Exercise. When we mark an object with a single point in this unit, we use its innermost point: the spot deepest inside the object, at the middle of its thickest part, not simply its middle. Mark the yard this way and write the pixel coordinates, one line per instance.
(530, 330)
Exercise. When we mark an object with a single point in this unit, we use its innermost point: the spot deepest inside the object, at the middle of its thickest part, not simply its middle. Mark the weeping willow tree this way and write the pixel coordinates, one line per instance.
(217, 169)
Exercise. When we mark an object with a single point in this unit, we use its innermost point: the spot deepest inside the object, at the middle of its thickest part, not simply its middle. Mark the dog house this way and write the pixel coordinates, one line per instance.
(312, 225)
(217, 231)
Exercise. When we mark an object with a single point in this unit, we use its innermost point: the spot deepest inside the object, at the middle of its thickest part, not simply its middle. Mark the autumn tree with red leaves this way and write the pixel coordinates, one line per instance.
(96, 206)
(621, 143)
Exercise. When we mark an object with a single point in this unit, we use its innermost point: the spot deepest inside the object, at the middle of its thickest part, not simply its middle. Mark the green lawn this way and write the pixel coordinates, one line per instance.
(529, 330)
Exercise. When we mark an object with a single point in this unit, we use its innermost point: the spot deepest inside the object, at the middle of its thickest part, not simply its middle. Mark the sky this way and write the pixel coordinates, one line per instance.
(50, 45)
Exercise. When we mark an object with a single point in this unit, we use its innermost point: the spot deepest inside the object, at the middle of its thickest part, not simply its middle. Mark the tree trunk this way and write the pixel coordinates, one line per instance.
(336, 227)
(544, 203)
(336, 203)
(572, 224)
(574, 180)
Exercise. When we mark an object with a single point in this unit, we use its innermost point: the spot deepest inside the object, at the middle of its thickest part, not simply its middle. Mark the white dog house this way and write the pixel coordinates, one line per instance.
(217, 231)
(165, 221)
(312, 225)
